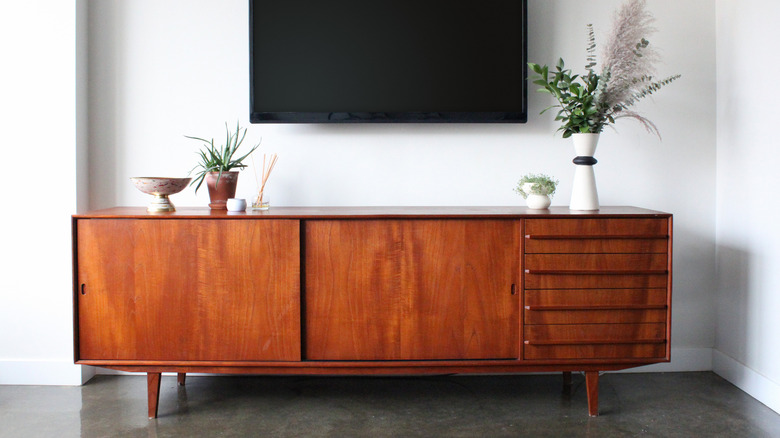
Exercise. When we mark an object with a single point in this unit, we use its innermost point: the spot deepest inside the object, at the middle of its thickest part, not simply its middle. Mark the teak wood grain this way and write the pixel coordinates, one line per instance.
(189, 290)
(412, 290)
(562, 280)
(626, 263)
(587, 316)
(342, 213)
(588, 298)
(600, 245)
(592, 388)
(595, 333)
(644, 227)
(372, 290)
(596, 288)
(153, 393)
(603, 352)
(583, 306)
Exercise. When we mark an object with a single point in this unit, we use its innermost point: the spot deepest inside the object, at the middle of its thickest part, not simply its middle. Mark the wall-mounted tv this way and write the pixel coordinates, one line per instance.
(352, 61)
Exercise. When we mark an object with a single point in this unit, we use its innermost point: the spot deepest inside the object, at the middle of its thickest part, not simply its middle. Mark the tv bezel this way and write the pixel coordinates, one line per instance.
(393, 117)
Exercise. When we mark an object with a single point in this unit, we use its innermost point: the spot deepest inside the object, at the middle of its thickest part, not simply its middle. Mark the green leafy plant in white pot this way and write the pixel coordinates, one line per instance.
(590, 102)
(537, 190)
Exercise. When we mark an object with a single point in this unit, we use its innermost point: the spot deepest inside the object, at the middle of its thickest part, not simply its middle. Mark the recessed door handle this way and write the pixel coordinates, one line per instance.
(83, 291)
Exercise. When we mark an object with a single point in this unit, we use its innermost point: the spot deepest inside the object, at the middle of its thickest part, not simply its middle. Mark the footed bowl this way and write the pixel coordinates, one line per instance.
(160, 188)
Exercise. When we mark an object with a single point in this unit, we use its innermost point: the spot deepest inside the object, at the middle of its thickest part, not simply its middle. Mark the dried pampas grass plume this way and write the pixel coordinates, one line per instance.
(628, 65)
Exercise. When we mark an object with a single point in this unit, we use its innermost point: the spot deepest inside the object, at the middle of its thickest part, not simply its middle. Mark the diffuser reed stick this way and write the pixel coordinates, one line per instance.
(271, 162)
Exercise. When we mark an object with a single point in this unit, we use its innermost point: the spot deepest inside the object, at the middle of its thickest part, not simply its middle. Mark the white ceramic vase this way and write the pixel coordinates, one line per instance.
(536, 201)
(584, 195)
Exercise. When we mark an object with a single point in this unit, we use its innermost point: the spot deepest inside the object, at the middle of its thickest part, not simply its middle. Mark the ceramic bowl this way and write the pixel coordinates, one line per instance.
(160, 188)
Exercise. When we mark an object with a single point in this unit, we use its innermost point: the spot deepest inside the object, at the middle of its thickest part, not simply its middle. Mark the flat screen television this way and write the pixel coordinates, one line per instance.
(352, 61)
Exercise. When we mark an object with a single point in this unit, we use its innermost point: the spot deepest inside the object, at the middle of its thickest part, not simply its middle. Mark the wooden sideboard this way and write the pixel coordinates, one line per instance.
(375, 290)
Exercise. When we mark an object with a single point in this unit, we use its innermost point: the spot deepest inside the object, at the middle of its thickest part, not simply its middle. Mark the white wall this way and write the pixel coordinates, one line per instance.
(748, 236)
(159, 69)
(162, 69)
(38, 118)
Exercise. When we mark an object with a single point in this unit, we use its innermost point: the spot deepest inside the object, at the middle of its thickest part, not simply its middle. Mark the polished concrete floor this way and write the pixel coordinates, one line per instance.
(647, 405)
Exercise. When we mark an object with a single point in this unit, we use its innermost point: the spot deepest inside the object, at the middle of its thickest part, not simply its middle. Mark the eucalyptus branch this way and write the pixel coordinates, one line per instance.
(589, 103)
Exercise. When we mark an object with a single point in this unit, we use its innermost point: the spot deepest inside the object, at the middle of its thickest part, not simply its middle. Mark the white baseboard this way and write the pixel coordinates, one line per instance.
(43, 372)
(683, 359)
(65, 373)
(757, 386)
(108, 372)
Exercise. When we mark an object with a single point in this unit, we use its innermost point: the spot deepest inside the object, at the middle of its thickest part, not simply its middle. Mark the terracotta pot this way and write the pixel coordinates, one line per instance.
(220, 193)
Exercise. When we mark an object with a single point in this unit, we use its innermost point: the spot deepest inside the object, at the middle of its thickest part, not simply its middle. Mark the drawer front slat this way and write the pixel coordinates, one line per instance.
(594, 316)
(596, 246)
(596, 262)
(595, 333)
(602, 351)
(595, 297)
(599, 227)
(576, 281)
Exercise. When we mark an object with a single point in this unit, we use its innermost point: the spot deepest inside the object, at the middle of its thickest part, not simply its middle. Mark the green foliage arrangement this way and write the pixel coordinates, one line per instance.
(576, 99)
(592, 101)
(220, 159)
(541, 185)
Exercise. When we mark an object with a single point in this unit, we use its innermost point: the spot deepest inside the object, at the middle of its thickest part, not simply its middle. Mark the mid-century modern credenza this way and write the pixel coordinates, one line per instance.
(376, 290)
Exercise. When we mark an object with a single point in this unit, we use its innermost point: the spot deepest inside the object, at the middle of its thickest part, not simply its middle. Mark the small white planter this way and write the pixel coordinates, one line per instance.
(536, 201)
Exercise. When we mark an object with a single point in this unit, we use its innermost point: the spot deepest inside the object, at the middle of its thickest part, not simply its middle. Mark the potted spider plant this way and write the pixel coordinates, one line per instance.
(217, 164)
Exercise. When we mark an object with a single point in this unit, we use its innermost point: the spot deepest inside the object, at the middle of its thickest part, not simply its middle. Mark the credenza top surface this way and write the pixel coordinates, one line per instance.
(370, 213)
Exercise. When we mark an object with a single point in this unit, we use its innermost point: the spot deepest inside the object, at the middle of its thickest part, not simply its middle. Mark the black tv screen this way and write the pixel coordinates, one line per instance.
(344, 61)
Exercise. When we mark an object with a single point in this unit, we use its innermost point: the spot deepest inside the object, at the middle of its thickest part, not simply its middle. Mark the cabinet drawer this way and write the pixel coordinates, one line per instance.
(595, 341)
(599, 351)
(594, 298)
(595, 245)
(587, 316)
(598, 263)
(536, 228)
(593, 280)
(593, 306)
(576, 334)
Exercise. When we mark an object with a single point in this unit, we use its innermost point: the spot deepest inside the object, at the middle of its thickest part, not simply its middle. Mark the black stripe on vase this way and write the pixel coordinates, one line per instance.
(584, 161)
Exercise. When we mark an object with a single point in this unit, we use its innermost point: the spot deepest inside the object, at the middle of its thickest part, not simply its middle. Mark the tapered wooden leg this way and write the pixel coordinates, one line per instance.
(153, 392)
(567, 382)
(181, 377)
(592, 385)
